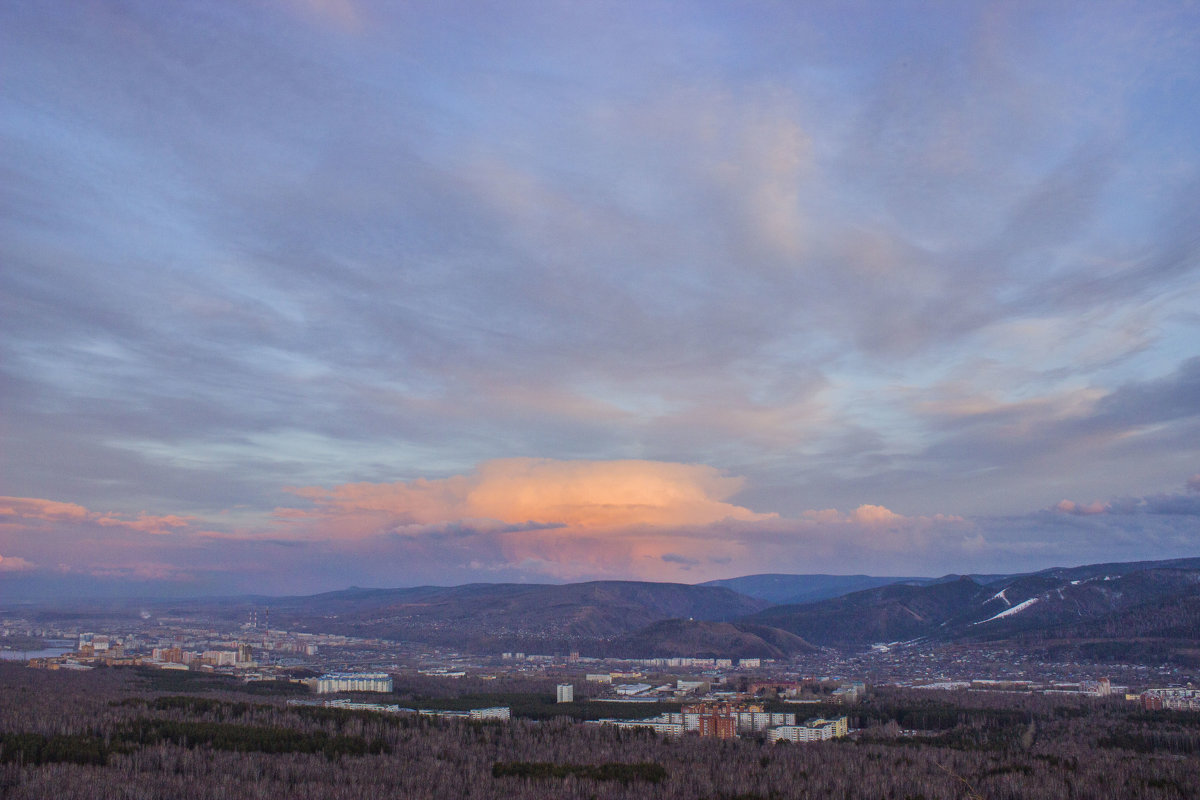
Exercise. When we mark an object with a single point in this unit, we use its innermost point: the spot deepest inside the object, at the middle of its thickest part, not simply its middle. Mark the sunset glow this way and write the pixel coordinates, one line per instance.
(303, 294)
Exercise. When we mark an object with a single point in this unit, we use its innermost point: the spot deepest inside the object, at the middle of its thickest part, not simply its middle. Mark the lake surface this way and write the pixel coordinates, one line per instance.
(25, 655)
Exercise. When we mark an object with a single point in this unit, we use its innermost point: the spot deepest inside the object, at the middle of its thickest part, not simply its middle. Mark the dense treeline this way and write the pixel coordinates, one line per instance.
(245, 738)
(609, 771)
(546, 707)
(170, 680)
(105, 733)
(35, 748)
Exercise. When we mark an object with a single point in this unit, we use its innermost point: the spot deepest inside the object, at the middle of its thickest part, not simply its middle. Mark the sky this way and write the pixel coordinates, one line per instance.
(303, 294)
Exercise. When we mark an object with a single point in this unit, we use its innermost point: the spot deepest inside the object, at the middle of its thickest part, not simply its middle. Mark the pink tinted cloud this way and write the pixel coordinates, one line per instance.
(23, 511)
(871, 530)
(14, 564)
(871, 515)
(874, 515)
(1071, 507)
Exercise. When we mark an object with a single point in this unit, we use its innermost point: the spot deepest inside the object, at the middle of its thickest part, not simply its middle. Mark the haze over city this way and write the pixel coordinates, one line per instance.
(298, 295)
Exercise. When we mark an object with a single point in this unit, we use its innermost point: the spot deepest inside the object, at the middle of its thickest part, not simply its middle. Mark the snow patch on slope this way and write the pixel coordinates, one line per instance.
(1008, 612)
(1000, 596)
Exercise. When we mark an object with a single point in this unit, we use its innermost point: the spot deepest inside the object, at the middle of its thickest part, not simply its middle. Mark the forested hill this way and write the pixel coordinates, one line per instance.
(787, 589)
(1151, 606)
(513, 616)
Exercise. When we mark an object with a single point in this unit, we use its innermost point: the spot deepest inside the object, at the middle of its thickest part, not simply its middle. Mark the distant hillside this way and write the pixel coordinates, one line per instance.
(1108, 606)
(1096, 611)
(781, 589)
(885, 614)
(522, 616)
(700, 639)
(1111, 612)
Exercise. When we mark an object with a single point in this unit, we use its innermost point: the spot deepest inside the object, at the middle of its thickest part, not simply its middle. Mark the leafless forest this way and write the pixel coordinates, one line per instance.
(112, 733)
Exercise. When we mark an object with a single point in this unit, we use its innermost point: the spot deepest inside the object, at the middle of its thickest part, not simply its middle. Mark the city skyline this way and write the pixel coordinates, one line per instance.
(307, 294)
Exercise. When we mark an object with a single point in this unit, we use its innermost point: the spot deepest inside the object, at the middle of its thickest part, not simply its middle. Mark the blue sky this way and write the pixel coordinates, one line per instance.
(302, 294)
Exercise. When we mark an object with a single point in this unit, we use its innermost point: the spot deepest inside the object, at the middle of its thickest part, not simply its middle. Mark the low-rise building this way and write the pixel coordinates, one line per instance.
(489, 714)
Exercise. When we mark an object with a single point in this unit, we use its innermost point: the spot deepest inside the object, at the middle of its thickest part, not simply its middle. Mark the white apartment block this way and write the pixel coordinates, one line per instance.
(354, 682)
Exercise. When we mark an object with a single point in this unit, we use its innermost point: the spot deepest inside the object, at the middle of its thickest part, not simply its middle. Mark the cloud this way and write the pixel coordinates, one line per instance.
(139, 571)
(576, 495)
(522, 519)
(1071, 507)
(870, 515)
(1183, 504)
(14, 564)
(874, 515)
(592, 519)
(569, 519)
(22, 511)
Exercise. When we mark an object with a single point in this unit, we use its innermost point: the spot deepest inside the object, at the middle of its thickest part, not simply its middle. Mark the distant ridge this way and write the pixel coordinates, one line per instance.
(1094, 611)
(532, 617)
(1143, 609)
(700, 639)
(781, 589)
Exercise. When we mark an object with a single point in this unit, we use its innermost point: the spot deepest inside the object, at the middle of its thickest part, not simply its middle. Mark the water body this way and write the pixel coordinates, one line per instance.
(25, 655)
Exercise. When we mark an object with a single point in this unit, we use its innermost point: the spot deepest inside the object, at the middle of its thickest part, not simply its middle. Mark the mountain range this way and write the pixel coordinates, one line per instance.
(1094, 611)
(1148, 610)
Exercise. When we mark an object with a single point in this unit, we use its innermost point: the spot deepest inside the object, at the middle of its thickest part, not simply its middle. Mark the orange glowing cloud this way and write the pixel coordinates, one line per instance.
(586, 519)
(20, 511)
(571, 519)
(575, 495)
